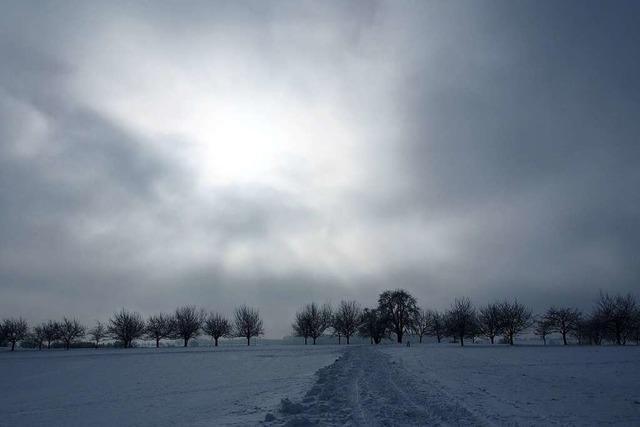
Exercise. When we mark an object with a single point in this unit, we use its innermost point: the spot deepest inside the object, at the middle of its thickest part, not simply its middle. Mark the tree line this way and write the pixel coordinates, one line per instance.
(125, 327)
(614, 319)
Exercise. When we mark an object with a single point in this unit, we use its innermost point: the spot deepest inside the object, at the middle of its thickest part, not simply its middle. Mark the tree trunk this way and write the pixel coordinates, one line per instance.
(13, 345)
(314, 340)
(564, 338)
(48, 345)
(399, 334)
(305, 340)
(186, 341)
(215, 342)
(347, 339)
(157, 342)
(248, 340)
(461, 341)
(420, 339)
(491, 339)
(339, 339)
(439, 338)
(544, 340)
(371, 339)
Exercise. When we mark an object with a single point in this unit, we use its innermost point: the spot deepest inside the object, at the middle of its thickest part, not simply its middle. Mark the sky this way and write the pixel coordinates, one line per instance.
(273, 153)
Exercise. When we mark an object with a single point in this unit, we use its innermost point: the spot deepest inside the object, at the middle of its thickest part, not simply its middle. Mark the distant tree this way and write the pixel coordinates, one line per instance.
(348, 315)
(217, 326)
(373, 325)
(301, 325)
(436, 324)
(126, 326)
(617, 314)
(318, 319)
(39, 335)
(14, 330)
(461, 320)
(98, 333)
(399, 307)
(336, 325)
(160, 326)
(489, 321)
(188, 321)
(542, 329)
(70, 330)
(563, 320)
(247, 323)
(514, 319)
(590, 330)
(50, 331)
(421, 324)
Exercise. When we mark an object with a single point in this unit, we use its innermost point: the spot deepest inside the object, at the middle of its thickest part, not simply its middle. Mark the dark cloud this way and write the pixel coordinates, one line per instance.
(449, 148)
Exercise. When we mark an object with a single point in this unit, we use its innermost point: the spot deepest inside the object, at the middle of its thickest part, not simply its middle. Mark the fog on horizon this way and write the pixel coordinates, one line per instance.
(155, 154)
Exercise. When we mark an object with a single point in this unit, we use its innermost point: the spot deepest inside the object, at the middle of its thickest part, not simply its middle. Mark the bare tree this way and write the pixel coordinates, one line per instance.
(399, 307)
(69, 330)
(489, 321)
(126, 326)
(348, 317)
(160, 326)
(39, 335)
(461, 320)
(373, 325)
(14, 330)
(542, 329)
(98, 333)
(247, 323)
(617, 315)
(50, 330)
(217, 326)
(436, 324)
(301, 327)
(514, 318)
(316, 319)
(421, 324)
(188, 321)
(563, 320)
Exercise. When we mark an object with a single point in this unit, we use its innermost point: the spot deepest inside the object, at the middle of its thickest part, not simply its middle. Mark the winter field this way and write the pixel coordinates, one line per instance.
(425, 384)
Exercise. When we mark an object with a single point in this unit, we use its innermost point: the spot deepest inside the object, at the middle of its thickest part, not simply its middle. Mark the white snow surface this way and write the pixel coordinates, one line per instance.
(290, 385)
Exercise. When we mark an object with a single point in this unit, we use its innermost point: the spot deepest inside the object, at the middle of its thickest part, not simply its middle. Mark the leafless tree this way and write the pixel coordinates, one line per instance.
(399, 307)
(70, 330)
(217, 326)
(39, 335)
(436, 324)
(14, 330)
(617, 314)
(514, 319)
(489, 321)
(301, 327)
(188, 321)
(461, 320)
(160, 326)
(126, 326)
(98, 333)
(349, 315)
(317, 319)
(563, 320)
(373, 325)
(247, 323)
(542, 329)
(50, 331)
(421, 324)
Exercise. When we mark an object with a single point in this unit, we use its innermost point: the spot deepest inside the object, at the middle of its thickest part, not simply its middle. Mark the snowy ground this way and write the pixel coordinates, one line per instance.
(149, 387)
(383, 385)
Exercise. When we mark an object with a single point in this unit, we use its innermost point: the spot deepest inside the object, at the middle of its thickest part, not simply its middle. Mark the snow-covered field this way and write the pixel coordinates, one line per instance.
(426, 384)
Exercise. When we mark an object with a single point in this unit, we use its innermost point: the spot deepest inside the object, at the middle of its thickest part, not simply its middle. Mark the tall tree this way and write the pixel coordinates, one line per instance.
(14, 330)
(564, 320)
(436, 324)
(126, 326)
(39, 335)
(188, 321)
(70, 330)
(348, 316)
(318, 319)
(98, 333)
(514, 319)
(489, 321)
(300, 325)
(50, 331)
(542, 329)
(461, 320)
(247, 323)
(160, 326)
(421, 324)
(399, 307)
(617, 314)
(217, 326)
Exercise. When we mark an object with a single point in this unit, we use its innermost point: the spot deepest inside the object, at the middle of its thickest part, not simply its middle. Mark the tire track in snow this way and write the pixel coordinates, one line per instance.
(364, 387)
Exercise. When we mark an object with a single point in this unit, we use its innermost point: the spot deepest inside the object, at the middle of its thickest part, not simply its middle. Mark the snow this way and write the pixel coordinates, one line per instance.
(289, 385)
(154, 387)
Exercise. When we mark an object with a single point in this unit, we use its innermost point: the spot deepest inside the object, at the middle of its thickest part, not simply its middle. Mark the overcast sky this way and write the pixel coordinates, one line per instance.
(273, 153)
